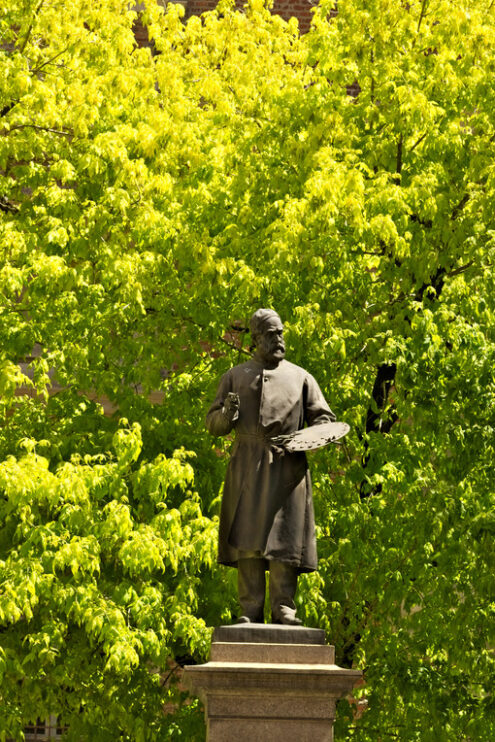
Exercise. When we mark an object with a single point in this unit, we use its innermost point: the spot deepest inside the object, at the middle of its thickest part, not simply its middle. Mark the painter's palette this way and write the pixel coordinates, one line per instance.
(312, 438)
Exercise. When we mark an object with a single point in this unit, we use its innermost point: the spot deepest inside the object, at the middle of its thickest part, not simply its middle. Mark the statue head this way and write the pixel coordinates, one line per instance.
(267, 334)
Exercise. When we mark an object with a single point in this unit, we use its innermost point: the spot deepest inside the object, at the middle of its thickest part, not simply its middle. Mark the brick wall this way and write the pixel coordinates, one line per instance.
(301, 9)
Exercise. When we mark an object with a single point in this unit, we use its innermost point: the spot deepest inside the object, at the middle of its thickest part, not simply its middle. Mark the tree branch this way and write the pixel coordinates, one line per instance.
(384, 380)
(398, 167)
(418, 142)
(233, 346)
(461, 269)
(422, 14)
(7, 206)
(5, 110)
(30, 29)
(436, 282)
(49, 61)
(460, 206)
(40, 128)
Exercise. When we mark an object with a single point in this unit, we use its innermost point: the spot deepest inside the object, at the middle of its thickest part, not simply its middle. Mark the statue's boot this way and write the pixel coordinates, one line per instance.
(283, 584)
(251, 585)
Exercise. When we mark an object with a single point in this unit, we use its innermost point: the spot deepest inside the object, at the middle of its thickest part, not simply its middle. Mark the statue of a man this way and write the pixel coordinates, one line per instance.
(267, 517)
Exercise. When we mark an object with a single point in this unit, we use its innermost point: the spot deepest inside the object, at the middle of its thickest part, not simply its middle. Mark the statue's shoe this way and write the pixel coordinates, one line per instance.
(247, 619)
(288, 621)
(286, 616)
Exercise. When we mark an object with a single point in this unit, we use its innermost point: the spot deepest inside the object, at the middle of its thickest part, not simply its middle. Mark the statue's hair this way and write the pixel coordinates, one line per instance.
(259, 318)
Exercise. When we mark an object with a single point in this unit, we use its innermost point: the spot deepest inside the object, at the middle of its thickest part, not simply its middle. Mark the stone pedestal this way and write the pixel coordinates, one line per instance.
(267, 683)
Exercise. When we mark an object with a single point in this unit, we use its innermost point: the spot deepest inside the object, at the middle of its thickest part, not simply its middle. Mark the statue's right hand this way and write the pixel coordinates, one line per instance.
(231, 406)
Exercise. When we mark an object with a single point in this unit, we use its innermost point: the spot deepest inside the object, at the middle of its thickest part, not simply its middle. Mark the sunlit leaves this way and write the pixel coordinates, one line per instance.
(74, 546)
(149, 203)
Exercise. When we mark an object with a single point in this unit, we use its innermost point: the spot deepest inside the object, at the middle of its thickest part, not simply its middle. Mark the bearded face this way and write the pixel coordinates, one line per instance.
(270, 345)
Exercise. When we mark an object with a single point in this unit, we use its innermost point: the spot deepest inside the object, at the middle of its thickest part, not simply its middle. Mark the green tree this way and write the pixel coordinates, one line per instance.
(150, 202)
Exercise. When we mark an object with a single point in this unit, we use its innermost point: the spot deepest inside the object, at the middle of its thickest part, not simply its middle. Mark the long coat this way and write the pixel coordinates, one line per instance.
(267, 505)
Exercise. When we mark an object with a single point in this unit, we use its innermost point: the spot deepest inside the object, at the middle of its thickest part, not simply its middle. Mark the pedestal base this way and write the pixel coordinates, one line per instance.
(267, 683)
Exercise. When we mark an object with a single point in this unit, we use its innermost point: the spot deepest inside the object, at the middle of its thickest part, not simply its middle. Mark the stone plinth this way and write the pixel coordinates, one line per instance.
(267, 683)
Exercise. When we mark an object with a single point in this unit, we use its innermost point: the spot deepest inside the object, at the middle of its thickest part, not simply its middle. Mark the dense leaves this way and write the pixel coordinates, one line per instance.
(149, 202)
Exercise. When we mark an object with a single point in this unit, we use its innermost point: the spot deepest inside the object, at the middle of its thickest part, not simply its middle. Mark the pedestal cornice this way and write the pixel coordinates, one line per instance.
(270, 683)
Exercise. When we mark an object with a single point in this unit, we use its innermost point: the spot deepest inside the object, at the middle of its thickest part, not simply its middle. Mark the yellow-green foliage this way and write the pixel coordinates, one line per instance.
(150, 202)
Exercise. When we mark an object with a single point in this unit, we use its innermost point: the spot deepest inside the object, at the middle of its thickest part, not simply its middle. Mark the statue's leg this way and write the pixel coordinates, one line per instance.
(251, 586)
(283, 584)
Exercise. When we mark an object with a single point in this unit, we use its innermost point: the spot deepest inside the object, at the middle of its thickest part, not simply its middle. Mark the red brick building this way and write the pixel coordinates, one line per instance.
(301, 9)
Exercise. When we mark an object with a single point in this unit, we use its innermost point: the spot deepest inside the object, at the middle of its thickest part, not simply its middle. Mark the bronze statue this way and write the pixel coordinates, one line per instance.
(267, 517)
